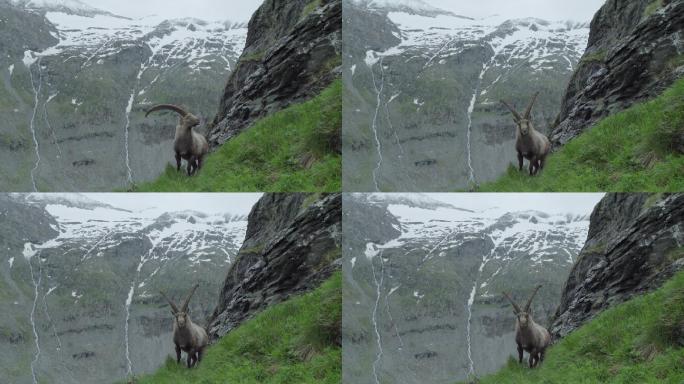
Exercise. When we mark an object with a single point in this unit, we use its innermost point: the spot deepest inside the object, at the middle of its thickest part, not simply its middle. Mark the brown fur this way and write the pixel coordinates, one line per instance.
(529, 336)
(187, 144)
(529, 143)
(187, 336)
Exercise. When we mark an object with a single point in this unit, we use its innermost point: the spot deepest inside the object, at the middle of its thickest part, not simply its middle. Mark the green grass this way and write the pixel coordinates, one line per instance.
(297, 341)
(640, 341)
(652, 8)
(313, 4)
(631, 151)
(293, 150)
(599, 56)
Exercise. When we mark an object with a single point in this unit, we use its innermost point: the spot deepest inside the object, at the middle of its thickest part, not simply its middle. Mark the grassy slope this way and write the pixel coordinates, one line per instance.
(290, 150)
(635, 342)
(630, 151)
(292, 342)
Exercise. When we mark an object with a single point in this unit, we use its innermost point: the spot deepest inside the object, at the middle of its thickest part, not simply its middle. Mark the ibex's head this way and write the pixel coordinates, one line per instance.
(187, 119)
(181, 315)
(524, 316)
(524, 122)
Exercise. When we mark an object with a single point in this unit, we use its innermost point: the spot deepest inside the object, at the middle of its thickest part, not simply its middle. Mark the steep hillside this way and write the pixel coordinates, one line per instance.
(75, 84)
(422, 89)
(293, 150)
(640, 149)
(610, 136)
(635, 243)
(606, 328)
(640, 341)
(292, 245)
(279, 310)
(296, 341)
(80, 281)
(422, 284)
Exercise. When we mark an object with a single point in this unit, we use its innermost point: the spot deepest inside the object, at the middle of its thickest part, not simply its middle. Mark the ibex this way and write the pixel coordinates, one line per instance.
(530, 336)
(188, 144)
(187, 336)
(529, 143)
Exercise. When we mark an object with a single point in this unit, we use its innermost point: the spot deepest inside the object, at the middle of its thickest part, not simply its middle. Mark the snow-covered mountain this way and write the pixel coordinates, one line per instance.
(429, 282)
(77, 80)
(73, 7)
(81, 302)
(415, 7)
(423, 111)
(415, 200)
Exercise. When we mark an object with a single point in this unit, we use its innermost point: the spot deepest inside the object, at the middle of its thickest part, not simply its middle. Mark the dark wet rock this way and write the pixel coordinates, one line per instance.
(634, 245)
(292, 53)
(292, 245)
(635, 52)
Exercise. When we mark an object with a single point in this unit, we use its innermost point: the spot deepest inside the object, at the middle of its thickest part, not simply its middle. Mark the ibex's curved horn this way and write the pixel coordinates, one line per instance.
(515, 306)
(171, 107)
(529, 302)
(187, 300)
(513, 111)
(174, 309)
(528, 111)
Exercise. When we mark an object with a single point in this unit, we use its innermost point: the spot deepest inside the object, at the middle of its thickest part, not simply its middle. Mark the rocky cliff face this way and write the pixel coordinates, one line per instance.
(422, 90)
(292, 53)
(636, 50)
(422, 283)
(75, 83)
(79, 285)
(292, 245)
(635, 243)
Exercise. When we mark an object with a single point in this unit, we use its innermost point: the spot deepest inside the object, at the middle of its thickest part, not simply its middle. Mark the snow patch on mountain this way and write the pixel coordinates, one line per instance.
(419, 7)
(97, 37)
(436, 37)
(537, 234)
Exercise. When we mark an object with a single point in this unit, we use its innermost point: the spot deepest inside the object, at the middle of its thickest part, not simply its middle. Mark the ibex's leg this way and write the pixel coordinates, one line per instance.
(520, 161)
(533, 161)
(200, 162)
(532, 354)
(190, 355)
(542, 161)
(191, 163)
(200, 353)
(541, 355)
(178, 354)
(178, 161)
(520, 354)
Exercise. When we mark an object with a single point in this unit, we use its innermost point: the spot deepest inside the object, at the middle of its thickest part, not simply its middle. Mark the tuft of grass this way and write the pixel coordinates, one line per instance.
(652, 8)
(599, 56)
(293, 150)
(313, 4)
(640, 341)
(636, 150)
(297, 341)
(254, 56)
